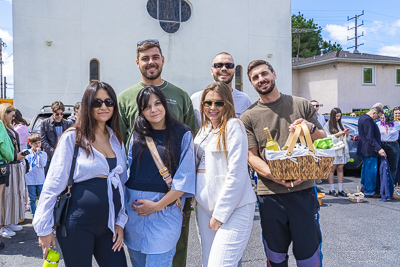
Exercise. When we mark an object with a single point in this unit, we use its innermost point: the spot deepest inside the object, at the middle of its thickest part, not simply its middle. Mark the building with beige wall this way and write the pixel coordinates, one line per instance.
(348, 81)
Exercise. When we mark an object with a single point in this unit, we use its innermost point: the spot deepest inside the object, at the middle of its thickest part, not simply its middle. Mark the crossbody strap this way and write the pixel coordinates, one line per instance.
(159, 163)
(71, 173)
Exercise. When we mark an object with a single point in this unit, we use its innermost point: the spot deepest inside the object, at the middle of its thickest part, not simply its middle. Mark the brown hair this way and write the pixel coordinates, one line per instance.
(256, 63)
(147, 46)
(34, 137)
(56, 105)
(6, 108)
(229, 111)
(86, 124)
(333, 123)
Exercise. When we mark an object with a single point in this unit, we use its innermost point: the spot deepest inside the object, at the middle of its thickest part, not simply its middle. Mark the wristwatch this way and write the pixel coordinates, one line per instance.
(313, 128)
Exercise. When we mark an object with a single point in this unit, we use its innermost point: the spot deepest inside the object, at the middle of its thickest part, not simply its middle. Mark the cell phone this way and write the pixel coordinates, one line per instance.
(25, 153)
(346, 130)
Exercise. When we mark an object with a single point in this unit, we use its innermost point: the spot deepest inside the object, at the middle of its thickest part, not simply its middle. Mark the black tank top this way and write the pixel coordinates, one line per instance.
(112, 163)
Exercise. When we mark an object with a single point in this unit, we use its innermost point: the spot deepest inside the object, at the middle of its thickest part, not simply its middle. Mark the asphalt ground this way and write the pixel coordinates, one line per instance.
(354, 235)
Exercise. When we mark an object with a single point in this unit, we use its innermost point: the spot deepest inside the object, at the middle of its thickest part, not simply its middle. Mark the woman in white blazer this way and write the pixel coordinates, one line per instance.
(224, 195)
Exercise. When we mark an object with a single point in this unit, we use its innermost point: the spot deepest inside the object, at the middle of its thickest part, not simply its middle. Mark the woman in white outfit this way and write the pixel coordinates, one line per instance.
(225, 198)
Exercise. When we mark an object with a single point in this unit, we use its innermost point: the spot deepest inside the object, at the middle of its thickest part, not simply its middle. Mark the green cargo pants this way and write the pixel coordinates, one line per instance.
(181, 246)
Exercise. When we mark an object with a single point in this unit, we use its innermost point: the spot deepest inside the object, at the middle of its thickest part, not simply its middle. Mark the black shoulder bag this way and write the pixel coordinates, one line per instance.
(62, 202)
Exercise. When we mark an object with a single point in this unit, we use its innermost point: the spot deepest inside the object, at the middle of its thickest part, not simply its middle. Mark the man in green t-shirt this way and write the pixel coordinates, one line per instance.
(150, 62)
(288, 210)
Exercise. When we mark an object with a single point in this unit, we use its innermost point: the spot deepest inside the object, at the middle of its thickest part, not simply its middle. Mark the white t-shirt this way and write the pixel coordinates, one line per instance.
(389, 134)
(240, 100)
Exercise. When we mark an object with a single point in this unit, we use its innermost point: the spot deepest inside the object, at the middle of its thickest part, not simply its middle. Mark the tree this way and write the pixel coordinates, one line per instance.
(307, 39)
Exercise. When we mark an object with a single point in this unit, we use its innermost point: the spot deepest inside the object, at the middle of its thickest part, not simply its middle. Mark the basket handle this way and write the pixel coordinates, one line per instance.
(292, 139)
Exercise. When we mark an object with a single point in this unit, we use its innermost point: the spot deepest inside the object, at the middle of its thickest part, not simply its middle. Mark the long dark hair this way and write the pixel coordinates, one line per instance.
(86, 124)
(143, 128)
(18, 118)
(333, 129)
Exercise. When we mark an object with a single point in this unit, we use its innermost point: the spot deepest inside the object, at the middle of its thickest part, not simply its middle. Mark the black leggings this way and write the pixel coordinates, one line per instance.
(87, 226)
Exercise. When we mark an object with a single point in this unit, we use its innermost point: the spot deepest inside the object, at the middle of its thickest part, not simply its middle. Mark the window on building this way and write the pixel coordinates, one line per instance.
(94, 70)
(170, 13)
(397, 76)
(368, 75)
(239, 78)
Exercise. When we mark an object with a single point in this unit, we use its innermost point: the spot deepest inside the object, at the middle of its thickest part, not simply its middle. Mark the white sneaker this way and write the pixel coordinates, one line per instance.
(14, 227)
(5, 232)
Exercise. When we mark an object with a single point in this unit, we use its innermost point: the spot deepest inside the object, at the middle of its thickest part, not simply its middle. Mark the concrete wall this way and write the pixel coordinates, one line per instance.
(340, 85)
(84, 29)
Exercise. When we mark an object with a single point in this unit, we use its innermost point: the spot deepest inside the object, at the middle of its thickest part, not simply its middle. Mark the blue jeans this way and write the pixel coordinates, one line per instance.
(369, 174)
(139, 259)
(33, 191)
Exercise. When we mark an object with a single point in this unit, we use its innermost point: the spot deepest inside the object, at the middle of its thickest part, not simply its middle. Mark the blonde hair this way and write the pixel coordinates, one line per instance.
(229, 111)
(6, 108)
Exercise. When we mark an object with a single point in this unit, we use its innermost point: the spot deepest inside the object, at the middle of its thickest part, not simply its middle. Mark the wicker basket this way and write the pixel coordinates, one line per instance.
(356, 197)
(305, 164)
(396, 192)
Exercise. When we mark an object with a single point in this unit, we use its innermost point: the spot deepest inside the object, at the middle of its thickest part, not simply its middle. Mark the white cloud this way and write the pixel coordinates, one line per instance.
(337, 33)
(6, 36)
(390, 50)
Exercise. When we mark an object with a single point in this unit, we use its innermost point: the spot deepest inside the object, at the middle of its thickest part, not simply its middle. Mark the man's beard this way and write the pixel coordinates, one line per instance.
(268, 90)
(153, 76)
(227, 81)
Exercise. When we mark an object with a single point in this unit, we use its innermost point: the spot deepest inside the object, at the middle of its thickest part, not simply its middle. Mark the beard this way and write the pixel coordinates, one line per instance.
(153, 76)
(268, 90)
(228, 81)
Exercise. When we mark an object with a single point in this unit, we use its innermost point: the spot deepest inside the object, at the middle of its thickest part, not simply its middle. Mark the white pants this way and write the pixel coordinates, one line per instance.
(225, 247)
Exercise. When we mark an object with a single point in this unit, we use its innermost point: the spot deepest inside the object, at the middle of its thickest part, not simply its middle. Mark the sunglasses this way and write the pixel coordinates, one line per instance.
(97, 103)
(153, 41)
(59, 114)
(218, 104)
(220, 65)
(317, 106)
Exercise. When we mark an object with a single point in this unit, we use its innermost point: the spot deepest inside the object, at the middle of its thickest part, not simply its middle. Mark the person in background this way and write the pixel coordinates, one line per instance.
(96, 215)
(52, 128)
(74, 116)
(334, 129)
(354, 115)
(154, 225)
(7, 154)
(369, 147)
(21, 127)
(224, 195)
(223, 70)
(320, 117)
(389, 129)
(396, 113)
(282, 204)
(14, 195)
(150, 62)
(35, 177)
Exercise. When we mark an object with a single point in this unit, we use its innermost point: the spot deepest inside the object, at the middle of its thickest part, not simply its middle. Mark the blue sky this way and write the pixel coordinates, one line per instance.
(381, 26)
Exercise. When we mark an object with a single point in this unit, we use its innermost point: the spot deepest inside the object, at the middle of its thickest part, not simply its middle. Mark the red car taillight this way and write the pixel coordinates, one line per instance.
(355, 138)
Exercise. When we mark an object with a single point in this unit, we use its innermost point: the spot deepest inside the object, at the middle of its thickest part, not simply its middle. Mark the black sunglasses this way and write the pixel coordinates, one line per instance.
(97, 103)
(218, 104)
(153, 41)
(220, 65)
(317, 106)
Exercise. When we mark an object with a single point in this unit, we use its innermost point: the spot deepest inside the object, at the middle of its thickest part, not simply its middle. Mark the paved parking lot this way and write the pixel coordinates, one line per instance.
(356, 235)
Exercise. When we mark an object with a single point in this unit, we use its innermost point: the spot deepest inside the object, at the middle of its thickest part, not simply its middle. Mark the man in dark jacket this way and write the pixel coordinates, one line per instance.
(52, 128)
(369, 147)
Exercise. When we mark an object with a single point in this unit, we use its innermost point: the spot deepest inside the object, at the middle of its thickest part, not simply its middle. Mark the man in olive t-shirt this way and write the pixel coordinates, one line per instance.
(288, 210)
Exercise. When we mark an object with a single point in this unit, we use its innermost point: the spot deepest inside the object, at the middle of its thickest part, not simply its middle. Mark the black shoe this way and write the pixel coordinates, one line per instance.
(2, 245)
(342, 193)
(333, 193)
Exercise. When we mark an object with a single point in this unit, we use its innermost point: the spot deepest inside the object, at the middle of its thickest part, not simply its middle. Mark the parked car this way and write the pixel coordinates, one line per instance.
(45, 112)
(355, 162)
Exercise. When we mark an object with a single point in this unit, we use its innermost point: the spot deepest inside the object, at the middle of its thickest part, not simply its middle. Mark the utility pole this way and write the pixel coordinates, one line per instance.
(298, 32)
(355, 31)
(2, 44)
(5, 88)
